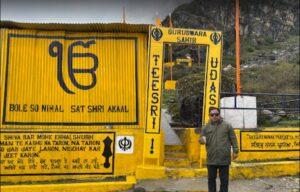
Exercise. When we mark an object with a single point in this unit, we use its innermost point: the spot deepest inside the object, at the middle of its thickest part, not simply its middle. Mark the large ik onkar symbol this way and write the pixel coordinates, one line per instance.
(71, 70)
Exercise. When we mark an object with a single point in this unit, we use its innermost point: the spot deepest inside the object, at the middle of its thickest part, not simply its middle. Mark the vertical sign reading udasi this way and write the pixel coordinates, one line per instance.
(212, 74)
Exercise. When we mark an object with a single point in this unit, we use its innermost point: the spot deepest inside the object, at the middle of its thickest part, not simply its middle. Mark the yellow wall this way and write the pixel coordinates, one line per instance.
(271, 150)
(110, 92)
(29, 76)
(289, 143)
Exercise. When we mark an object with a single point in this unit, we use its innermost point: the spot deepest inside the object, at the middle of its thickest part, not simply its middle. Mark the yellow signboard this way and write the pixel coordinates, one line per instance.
(69, 79)
(170, 85)
(270, 141)
(50, 153)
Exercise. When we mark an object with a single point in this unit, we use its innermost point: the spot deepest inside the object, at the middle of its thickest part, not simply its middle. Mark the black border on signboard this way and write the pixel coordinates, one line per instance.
(136, 122)
(50, 174)
(243, 150)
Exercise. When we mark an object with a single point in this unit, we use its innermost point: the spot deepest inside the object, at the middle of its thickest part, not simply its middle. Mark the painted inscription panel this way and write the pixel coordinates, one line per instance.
(69, 80)
(56, 153)
(270, 141)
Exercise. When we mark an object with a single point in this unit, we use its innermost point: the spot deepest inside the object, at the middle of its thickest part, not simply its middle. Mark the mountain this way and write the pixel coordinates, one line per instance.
(269, 33)
(273, 19)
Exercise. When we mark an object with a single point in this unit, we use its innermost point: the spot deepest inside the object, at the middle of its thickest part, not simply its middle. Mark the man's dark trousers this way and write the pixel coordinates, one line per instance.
(212, 175)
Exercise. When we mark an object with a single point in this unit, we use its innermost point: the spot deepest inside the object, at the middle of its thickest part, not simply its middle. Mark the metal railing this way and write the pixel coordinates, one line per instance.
(287, 106)
(272, 108)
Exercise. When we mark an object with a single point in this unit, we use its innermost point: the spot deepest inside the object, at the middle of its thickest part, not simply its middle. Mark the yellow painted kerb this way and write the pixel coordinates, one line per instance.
(71, 187)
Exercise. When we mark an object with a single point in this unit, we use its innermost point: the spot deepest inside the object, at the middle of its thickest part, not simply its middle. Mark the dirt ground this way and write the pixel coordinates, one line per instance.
(281, 184)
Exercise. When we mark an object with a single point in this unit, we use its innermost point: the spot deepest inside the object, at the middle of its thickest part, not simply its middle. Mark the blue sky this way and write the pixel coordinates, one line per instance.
(86, 11)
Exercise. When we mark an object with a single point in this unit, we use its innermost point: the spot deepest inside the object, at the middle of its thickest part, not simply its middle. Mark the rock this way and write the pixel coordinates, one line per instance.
(228, 68)
(265, 116)
(172, 100)
(266, 112)
(245, 66)
(281, 113)
(253, 66)
(160, 189)
(139, 189)
(272, 57)
(275, 119)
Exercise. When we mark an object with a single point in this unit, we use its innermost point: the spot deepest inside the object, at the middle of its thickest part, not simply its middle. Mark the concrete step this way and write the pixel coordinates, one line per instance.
(176, 190)
(264, 169)
(177, 162)
(175, 154)
(174, 148)
(175, 173)
(242, 171)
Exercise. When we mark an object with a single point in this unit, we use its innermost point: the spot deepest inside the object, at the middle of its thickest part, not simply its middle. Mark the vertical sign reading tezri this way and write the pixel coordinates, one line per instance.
(152, 130)
(154, 83)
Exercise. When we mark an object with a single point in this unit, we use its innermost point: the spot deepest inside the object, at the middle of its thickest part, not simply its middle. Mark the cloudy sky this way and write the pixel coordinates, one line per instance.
(85, 11)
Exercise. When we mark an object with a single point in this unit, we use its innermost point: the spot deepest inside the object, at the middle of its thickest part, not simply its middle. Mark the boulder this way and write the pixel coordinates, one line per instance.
(228, 68)
(281, 113)
(139, 189)
(266, 112)
(275, 119)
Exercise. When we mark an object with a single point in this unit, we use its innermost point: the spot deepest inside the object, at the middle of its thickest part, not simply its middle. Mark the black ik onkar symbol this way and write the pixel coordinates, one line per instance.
(71, 69)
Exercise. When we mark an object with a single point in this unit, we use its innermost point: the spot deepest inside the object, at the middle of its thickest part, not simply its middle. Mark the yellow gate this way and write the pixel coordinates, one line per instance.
(158, 36)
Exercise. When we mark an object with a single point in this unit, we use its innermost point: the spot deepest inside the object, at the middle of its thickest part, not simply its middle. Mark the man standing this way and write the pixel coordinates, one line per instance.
(218, 137)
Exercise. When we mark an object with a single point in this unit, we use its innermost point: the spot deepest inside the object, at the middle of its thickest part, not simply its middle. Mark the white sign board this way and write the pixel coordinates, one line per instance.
(125, 144)
(240, 118)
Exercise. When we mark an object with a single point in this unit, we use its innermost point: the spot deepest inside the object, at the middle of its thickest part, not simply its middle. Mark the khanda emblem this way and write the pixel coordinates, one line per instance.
(125, 144)
(56, 50)
(156, 34)
(215, 38)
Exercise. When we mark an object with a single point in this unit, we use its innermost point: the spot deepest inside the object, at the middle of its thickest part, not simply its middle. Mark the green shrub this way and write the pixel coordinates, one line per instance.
(281, 78)
(250, 49)
(269, 40)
